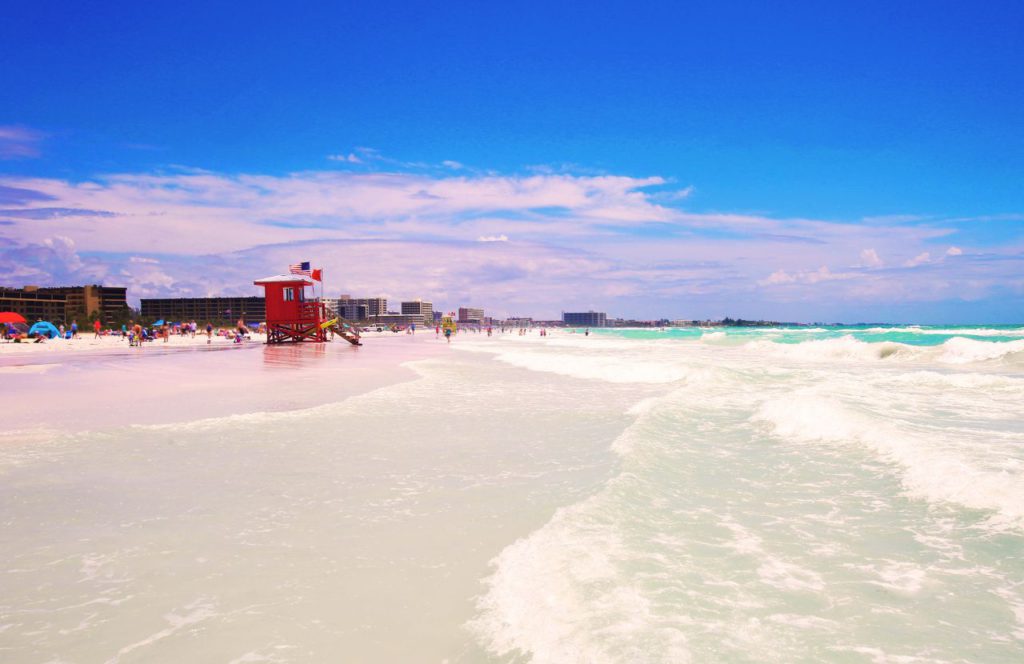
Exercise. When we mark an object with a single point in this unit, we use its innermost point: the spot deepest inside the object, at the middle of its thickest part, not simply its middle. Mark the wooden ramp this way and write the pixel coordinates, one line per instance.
(344, 330)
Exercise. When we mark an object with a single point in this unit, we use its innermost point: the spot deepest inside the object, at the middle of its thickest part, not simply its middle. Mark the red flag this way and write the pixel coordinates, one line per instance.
(318, 275)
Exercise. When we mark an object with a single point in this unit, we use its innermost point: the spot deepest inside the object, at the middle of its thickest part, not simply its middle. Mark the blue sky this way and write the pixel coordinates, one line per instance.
(745, 147)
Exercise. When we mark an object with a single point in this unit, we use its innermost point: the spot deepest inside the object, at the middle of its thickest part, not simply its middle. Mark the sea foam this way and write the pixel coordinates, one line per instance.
(931, 468)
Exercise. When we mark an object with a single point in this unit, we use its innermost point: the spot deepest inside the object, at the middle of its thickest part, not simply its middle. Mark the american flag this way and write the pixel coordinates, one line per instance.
(300, 268)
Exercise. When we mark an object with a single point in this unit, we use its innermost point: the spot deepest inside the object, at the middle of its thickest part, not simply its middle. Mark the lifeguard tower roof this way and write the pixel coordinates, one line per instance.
(285, 279)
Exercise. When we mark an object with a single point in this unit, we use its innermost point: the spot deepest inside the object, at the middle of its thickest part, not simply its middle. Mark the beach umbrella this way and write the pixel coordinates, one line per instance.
(43, 327)
(11, 317)
(159, 322)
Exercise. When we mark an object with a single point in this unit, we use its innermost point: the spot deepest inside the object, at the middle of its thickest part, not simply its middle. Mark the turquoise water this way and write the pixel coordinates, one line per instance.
(847, 494)
(915, 336)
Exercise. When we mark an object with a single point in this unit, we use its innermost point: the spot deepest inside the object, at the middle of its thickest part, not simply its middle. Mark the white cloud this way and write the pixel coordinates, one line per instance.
(920, 259)
(869, 258)
(819, 275)
(350, 158)
(446, 235)
(778, 277)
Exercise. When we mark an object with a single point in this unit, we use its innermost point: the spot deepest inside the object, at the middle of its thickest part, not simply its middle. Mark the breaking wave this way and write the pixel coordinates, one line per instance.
(932, 467)
(958, 350)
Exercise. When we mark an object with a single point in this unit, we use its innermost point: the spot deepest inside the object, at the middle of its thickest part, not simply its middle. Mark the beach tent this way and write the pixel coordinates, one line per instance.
(42, 327)
(11, 317)
(159, 322)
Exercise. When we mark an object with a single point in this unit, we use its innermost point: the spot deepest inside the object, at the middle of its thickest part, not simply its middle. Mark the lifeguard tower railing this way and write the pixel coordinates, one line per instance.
(307, 327)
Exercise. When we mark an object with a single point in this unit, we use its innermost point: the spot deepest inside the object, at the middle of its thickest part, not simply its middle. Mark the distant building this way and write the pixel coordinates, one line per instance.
(519, 321)
(471, 315)
(348, 307)
(437, 317)
(421, 310)
(354, 311)
(66, 303)
(33, 305)
(230, 309)
(585, 319)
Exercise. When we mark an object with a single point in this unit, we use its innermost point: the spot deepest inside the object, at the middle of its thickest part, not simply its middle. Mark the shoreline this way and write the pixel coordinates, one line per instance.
(99, 386)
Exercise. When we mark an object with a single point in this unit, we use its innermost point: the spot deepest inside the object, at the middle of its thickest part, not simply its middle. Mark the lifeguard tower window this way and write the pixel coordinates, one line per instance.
(289, 294)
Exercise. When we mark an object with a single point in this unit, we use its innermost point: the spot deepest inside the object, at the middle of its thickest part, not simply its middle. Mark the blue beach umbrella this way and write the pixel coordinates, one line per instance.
(159, 322)
(43, 327)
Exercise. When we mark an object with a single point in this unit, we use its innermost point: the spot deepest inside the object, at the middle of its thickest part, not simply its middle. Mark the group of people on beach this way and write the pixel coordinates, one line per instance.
(134, 332)
(449, 331)
(138, 334)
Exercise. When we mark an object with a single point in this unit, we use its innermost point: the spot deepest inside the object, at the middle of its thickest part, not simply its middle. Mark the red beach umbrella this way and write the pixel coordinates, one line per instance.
(11, 317)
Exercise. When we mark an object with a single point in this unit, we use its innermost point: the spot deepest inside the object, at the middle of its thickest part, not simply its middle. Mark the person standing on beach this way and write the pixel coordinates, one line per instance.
(192, 329)
(74, 329)
(448, 334)
(209, 332)
(97, 326)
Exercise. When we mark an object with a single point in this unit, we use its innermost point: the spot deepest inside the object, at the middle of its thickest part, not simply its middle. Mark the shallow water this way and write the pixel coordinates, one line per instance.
(847, 495)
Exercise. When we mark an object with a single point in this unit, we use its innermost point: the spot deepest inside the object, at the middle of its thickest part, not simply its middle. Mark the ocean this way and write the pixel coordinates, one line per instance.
(833, 494)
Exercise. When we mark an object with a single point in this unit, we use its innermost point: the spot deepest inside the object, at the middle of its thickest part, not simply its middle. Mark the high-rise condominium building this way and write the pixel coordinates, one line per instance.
(471, 315)
(348, 307)
(585, 319)
(424, 311)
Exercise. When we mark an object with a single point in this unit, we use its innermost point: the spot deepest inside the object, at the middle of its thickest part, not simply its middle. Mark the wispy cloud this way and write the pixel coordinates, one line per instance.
(19, 142)
(350, 158)
(445, 234)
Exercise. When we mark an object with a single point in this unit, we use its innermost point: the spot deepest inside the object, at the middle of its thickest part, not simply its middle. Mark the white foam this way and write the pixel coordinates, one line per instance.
(931, 470)
(194, 613)
(608, 368)
(959, 350)
(558, 596)
(772, 570)
(842, 348)
(972, 332)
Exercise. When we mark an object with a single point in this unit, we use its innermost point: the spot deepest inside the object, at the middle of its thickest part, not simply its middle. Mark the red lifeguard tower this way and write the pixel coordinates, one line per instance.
(290, 315)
